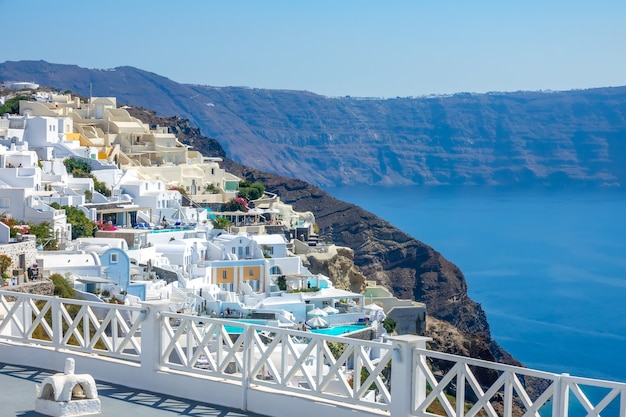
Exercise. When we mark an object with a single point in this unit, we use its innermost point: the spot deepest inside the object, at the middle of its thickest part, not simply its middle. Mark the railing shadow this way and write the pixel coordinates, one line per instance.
(118, 400)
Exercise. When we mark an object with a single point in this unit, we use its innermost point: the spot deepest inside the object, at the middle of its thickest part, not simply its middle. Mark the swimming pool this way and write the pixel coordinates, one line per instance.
(238, 329)
(330, 331)
(339, 330)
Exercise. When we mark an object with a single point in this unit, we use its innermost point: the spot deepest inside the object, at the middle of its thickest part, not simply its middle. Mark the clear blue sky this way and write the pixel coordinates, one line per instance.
(336, 48)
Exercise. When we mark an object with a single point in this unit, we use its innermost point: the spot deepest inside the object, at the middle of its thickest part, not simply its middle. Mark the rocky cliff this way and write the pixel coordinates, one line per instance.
(410, 268)
(338, 264)
(520, 138)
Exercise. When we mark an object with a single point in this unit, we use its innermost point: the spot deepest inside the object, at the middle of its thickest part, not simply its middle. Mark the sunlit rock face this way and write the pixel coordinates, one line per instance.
(515, 138)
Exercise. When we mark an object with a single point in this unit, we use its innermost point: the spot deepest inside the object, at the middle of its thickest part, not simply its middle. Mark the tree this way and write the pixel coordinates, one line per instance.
(77, 168)
(267, 251)
(281, 282)
(101, 187)
(62, 287)
(12, 105)
(82, 169)
(251, 191)
(220, 222)
(81, 225)
(43, 231)
(389, 325)
(44, 236)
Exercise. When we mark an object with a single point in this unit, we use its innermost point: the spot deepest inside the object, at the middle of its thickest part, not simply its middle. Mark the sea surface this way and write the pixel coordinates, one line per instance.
(547, 266)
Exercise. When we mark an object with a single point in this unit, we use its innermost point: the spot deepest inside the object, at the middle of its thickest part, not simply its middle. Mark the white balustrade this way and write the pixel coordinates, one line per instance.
(105, 329)
(452, 389)
(289, 360)
(265, 362)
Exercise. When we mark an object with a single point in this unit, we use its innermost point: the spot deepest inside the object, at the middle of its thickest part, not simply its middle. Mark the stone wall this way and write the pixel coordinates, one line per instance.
(41, 287)
(409, 319)
(164, 274)
(366, 334)
(23, 254)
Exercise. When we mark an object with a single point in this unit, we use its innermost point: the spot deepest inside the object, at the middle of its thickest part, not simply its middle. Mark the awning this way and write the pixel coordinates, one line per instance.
(93, 280)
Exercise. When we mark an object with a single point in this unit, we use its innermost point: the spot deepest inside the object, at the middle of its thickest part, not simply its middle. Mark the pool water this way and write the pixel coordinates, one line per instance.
(330, 331)
(238, 329)
(339, 330)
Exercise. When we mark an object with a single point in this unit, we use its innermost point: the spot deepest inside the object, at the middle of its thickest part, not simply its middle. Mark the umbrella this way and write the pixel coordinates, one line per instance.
(373, 307)
(330, 310)
(317, 322)
(317, 312)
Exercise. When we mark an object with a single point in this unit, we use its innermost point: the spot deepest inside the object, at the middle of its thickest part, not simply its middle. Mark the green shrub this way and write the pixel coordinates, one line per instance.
(281, 282)
(12, 105)
(389, 325)
(62, 287)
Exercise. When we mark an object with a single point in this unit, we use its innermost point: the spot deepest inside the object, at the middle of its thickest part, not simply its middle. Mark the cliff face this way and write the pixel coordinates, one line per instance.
(410, 268)
(338, 264)
(521, 138)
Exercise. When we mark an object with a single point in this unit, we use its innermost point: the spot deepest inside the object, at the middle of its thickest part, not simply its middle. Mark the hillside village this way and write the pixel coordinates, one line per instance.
(164, 223)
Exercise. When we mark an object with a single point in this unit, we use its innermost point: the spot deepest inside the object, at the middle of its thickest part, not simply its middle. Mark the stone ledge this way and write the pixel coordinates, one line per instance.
(39, 287)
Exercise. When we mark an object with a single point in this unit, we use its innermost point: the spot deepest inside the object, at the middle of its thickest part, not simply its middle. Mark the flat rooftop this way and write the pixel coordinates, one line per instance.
(17, 384)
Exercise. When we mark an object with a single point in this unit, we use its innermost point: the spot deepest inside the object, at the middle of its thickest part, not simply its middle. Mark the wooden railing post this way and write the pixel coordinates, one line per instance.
(408, 383)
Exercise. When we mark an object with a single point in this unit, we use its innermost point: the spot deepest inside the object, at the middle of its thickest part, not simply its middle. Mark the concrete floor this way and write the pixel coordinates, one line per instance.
(17, 385)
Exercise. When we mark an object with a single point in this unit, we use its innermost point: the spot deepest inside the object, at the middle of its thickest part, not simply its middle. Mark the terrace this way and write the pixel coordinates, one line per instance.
(274, 371)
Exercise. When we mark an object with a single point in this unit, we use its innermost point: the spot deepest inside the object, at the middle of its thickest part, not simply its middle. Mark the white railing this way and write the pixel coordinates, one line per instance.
(457, 386)
(109, 330)
(268, 364)
(288, 360)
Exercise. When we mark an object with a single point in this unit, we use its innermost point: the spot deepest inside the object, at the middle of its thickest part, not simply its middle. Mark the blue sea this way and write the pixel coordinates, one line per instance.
(547, 266)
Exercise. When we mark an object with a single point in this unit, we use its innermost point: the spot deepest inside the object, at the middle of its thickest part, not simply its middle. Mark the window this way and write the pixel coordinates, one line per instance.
(234, 250)
(114, 258)
(275, 270)
(247, 250)
(250, 272)
(223, 274)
